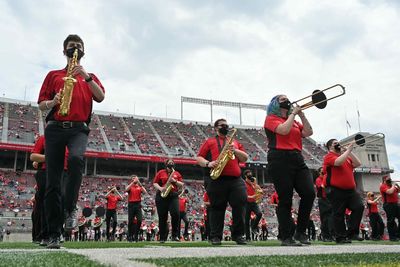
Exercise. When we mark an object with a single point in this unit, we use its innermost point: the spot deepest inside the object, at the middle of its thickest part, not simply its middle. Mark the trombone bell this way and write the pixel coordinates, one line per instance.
(361, 140)
(319, 99)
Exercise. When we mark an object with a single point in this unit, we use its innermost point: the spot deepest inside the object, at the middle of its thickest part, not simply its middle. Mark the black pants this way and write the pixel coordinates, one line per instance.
(57, 139)
(289, 171)
(97, 233)
(264, 233)
(340, 200)
(376, 223)
(164, 205)
(222, 191)
(134, 211)
(326, 217)
(40, 178)
(111, 214)
(183, 216)
(392, 213)
(252, 207)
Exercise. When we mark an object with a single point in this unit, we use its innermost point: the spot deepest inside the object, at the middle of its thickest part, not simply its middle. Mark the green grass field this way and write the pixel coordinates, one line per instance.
(34, 256)
(370, 259)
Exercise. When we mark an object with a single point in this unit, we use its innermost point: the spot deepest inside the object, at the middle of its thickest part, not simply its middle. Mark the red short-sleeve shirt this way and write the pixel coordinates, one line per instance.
(211, 149)
(291, 141)
(161, 178)
(81, 103)
(339, 176)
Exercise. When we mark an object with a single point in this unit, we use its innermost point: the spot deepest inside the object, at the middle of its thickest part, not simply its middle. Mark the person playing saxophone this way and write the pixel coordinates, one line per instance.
(166, 182)
(229, 187)
(74, 89)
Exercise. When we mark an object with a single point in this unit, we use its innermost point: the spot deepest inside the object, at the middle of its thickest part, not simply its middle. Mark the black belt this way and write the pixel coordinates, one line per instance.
(67, 124)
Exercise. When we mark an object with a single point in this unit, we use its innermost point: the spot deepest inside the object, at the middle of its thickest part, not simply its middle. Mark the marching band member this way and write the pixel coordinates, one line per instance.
(325, 209)
(389, 192)
(165, 180)
(287, 168)
(252, 205)
(183, 201)
(67, 128)
(228, 188)
(135, 191)
(341, 188)
(112, 196)
(375, 219)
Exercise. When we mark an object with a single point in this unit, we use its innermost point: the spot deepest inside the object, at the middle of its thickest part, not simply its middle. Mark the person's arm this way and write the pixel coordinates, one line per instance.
(307, 129)
(144, 189)
(205, 163)
(158, 187)
(97, 91)
(342, 158)
(284, 128)
(49, 104)
(391, 190)
(241, 155)
(356, 160)
(37, 157)
(129, 186)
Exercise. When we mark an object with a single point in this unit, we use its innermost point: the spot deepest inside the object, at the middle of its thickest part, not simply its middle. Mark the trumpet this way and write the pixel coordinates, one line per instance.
(319, 99)
(361, 140)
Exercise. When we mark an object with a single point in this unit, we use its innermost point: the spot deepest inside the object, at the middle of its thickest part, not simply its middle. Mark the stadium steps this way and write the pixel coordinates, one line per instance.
(243, 133)
(132, 139)
(200, 131)
(40, 122)
(176, 131)
(4, 136)
(103, 134)
(163, 146)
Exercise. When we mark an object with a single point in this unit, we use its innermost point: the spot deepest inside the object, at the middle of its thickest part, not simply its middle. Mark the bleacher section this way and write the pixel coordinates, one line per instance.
(132, 135)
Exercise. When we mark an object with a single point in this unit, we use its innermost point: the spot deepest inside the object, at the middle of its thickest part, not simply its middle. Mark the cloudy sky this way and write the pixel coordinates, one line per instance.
(150, 53)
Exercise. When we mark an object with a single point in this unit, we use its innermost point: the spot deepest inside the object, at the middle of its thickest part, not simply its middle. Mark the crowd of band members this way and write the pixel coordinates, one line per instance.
(59, 183)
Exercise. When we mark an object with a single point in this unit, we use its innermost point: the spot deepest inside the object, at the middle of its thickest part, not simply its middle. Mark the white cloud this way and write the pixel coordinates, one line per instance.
(150, 53)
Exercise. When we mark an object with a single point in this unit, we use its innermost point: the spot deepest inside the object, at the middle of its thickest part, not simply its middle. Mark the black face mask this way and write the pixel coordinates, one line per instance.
(285, 104)
(170, 166)
(251, 179)
(223, 130)
(389, 182)
(70, 52)
(337, 147)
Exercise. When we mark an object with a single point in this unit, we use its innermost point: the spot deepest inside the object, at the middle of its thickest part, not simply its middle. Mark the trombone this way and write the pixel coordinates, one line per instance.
(361, 140)
(319, 99)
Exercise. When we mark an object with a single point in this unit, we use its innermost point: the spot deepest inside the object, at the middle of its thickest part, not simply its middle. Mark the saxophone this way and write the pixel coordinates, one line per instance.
(259, 192)
(168, 185)
(69, 83)
(225, 155)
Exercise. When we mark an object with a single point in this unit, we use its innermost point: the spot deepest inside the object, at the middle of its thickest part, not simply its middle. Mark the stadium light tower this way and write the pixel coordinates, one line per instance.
(212, 103)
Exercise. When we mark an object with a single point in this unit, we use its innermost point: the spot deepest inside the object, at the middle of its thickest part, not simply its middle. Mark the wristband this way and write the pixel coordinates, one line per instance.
(88, 80)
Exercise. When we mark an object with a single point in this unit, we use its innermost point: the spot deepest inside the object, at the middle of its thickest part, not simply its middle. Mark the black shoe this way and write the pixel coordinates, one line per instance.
(290, 242)
(327, 239)
(302, 238)
(343, 241)
(216, 241)
(162, 241)
(71, 221)
(44, 242)
(356, 238)
(240, 240)
(54, 243)
(176, 239)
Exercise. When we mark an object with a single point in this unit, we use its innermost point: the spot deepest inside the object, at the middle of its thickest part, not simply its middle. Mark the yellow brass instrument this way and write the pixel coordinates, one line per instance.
(258, 191)
(225, 155)
(319, 99)
(361, 140)
(168, 185)
(69, 83)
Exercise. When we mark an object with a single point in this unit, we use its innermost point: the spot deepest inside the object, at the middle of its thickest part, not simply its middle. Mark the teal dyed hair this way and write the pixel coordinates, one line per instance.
(274, 108)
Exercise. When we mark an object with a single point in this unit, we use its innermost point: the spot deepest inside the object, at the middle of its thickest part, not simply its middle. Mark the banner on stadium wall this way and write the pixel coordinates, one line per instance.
(107, 155)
